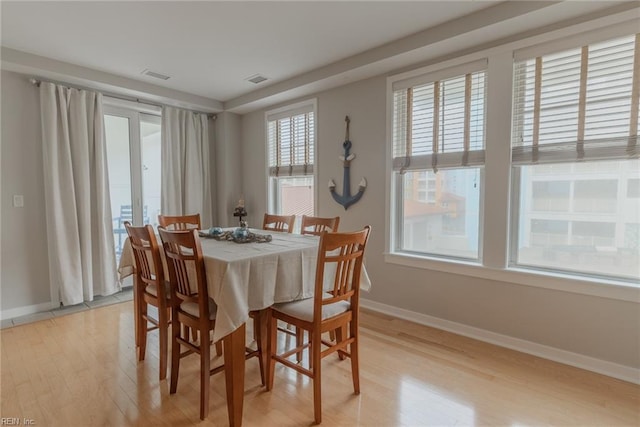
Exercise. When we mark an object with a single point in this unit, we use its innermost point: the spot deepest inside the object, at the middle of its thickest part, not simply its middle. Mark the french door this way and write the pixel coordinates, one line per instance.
(133, 138)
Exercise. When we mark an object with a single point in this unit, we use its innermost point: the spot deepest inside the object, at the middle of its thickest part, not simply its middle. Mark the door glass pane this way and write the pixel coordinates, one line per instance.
(151, 177)
(117, 139)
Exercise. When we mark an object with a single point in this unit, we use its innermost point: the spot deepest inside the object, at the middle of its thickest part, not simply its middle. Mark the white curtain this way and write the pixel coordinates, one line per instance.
(82, 260)
(186, 185)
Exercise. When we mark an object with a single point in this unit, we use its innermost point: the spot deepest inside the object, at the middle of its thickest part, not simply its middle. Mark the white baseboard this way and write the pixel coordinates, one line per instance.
(622, 372)
(28, 309)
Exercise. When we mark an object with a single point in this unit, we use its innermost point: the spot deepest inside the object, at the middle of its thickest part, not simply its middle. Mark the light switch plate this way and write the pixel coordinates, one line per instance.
(18, 201)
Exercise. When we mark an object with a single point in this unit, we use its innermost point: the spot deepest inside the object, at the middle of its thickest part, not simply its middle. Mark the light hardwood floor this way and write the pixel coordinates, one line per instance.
(81, 370)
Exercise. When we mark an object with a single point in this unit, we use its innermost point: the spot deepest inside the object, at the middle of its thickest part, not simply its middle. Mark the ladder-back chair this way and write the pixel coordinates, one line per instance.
(333, 307)
(192, 309)
(278, 222)
(314, 225)
(180, 222)
(151, 289)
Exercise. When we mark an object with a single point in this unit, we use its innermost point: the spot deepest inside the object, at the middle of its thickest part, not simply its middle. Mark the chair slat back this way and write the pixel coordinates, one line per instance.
(146, 254)
(313, 225)
(185, 264)
(340, 255)
(180, 222)
(278, 222)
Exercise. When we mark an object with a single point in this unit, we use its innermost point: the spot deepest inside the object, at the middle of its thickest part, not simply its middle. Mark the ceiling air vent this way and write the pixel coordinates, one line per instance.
(155, 75)
(257, 78)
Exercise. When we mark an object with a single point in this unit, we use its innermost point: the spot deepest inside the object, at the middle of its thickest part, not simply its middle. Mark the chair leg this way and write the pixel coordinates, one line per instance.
(299, 341)
(260, 331)
(205, 376)
(311, 345)
(355, 364)
(340, 334)
(142, 329)
(272, 344)
(163, 331)
(317, 375)
(176, 329)
(219, 348)
(136, 310)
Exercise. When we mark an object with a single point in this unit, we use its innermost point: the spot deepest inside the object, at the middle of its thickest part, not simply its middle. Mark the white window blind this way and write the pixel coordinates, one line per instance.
(579, 104)
(439, 123)
(291, 142)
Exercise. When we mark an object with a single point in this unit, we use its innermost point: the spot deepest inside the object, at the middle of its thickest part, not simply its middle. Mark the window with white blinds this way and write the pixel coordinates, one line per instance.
(438, 148)
(291, 140)
(291, 155)
(440, 123)
(579, 104)
(564, 108)
(574, 157)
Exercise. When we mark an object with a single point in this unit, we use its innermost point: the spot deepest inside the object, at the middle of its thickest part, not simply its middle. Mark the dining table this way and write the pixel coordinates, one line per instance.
(250, 277)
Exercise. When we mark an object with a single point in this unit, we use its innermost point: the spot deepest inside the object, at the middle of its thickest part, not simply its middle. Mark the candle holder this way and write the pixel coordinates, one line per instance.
(240, 212)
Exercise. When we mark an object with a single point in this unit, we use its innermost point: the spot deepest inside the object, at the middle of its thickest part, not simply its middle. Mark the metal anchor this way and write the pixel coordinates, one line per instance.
(347, 199)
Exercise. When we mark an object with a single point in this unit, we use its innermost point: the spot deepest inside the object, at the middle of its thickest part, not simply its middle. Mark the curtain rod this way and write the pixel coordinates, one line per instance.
(36, 82)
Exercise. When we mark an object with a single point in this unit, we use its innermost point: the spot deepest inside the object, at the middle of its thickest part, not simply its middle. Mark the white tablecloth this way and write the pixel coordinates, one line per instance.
(251, 276)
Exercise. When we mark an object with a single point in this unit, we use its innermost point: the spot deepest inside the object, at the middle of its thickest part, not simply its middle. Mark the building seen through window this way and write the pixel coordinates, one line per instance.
(581, 217)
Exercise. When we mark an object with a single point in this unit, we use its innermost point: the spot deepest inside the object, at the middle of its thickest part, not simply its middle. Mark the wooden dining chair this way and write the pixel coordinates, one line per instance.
(185, 222)
(151, 289)
(333, 307)
(314, 225)
(192, 309)
(180, 222)
(278, 222)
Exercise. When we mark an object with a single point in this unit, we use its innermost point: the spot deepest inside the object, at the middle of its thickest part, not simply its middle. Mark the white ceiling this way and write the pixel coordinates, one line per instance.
(210, 48)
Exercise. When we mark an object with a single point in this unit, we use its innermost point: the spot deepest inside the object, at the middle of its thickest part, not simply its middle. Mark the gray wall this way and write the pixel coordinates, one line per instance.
(25, 266)
(228, 167)
(598, 327)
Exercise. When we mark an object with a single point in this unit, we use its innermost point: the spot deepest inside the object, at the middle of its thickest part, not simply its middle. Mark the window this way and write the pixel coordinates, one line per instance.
(574, 149)
(595, 195)
(632, 238)
(438, 154)
(555, 202)
(291, 153)
(633, 188)
(593, 233)
(550, 195)
(545, 232)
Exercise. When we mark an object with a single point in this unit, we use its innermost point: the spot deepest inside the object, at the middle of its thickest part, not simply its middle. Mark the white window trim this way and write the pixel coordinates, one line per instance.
(440, 74)
(152, 110)
(612, 289)
(495, 255)
(302, 106)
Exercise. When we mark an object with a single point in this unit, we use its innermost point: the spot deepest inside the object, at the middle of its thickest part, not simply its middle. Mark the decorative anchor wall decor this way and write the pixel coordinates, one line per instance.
(347, 199)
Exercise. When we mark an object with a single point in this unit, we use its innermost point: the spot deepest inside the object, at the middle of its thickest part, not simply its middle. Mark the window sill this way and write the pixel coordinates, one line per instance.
(618, 290)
